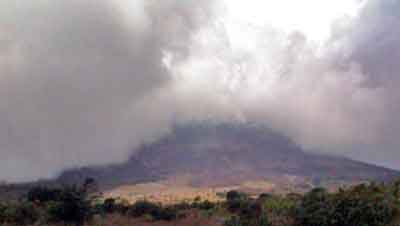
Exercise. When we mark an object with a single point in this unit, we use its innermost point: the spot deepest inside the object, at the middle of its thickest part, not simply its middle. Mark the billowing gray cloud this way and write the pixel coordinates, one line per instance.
(339, 97)
(71, 72)
(374, 43)
(85, 82)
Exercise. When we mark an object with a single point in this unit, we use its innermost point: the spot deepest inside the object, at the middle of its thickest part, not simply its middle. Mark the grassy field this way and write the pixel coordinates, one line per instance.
(171, 192)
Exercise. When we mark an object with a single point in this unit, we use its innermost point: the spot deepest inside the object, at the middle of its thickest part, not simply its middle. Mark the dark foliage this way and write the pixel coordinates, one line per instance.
(203, 205)
(156, 211)
(168, 213)
(264, 196)
(248, 212)
(362, 205)
(22, 213)
(369, 205)
(71, 206)
(140, 208)
(43, 194)
(110, 205)
(235, 195)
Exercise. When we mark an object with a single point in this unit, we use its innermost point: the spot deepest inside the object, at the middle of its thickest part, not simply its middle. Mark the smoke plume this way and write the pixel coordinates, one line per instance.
(86, 82)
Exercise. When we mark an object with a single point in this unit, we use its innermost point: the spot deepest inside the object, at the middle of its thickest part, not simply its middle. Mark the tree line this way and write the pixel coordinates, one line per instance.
(362, 205)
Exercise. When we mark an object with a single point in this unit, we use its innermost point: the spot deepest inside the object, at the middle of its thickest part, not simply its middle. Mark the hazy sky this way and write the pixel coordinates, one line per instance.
(85, 82)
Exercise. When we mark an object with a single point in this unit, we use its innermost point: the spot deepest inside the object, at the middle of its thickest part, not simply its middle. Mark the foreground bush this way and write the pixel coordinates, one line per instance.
(22, 213)
(203, 205)
(155, 211)
(280, 210)
(362, 205)
(43, 194)
(247, 211)
(71, 206)
(141, 208)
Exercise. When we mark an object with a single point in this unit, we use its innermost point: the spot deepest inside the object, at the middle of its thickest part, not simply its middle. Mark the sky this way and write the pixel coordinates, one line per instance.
(86, 82)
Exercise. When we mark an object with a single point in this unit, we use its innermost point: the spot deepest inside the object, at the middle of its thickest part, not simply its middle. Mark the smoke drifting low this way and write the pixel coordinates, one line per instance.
(72, 73)
(85, 82)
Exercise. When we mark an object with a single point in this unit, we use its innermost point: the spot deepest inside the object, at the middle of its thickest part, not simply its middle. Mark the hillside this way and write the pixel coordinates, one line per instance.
(212, 156)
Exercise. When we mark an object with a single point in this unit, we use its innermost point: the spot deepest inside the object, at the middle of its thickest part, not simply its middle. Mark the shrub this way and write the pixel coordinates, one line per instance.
(369, 205)
(279, 205)
(364, 206)
(264, 196)
(3, 209)
(109, 205)
(280, 210)
(156, 211)
(140, 208)
(204, 205)
(235, 195)
(233, 221)
(72, 206)
(236, 201)
(315, 209)
(248, 218)
(166, 213)
(43, 194)
(183, 206)
(23, 213)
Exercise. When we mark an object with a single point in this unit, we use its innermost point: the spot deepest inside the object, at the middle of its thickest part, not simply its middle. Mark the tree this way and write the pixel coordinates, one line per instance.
(43, 194)
(90, 185)
(72, 206)
(140, 208)
(315, 209)
(373, 205)
(235, 195)
(109, 205)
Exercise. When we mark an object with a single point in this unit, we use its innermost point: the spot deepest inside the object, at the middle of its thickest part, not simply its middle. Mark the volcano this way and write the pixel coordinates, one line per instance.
(216, 155)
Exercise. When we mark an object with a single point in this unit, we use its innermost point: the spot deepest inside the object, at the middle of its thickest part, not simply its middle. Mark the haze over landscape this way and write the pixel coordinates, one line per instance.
(88, 83)
(199, 112)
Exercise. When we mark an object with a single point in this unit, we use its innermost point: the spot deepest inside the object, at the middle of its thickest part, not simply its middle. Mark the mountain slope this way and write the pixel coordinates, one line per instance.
(227, 154)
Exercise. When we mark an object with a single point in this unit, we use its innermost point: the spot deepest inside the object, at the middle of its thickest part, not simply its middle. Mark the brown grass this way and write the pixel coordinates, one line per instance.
(180, 189)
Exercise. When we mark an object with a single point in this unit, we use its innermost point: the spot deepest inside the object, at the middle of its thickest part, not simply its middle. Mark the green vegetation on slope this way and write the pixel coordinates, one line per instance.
(361, 205)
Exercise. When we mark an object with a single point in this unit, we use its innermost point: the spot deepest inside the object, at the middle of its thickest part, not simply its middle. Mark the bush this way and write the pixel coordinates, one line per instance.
(183, 206)
(233, 221)
(240, 206)
(264, 196)
(109, 205)
(204, 205)
(3, 209)
(140, 208)
(279, 205)
(247, 212)
(72, 206)
(166, 213)
(315, 209)
(43, 194)
(235, 195)
(248, 218)
(236, 201)
(20, 213)
(156, 211)
(250, 210)
(362, 205)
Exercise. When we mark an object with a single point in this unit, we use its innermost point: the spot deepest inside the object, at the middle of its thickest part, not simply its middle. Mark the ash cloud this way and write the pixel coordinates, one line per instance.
(375, 45)
(85, 82)
(72, 73)
(338, 97)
